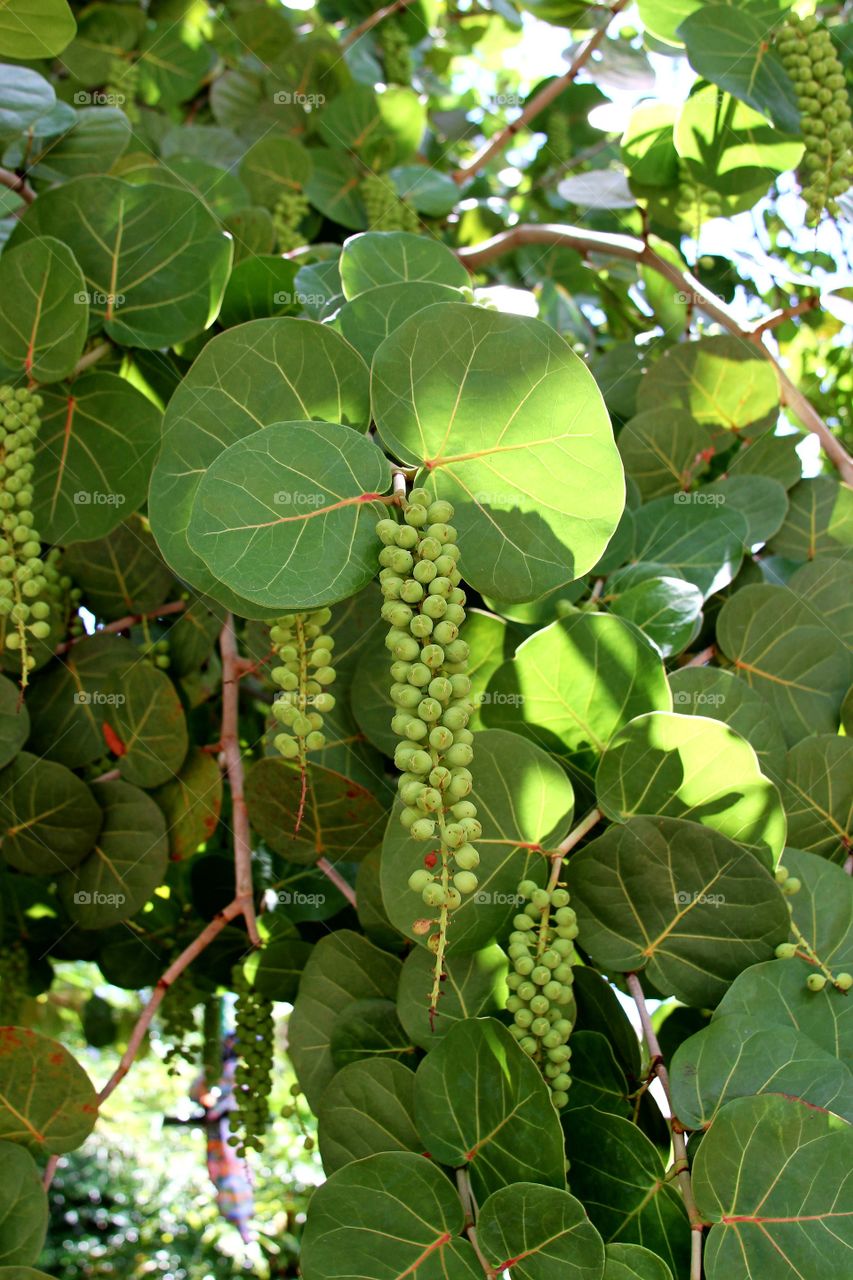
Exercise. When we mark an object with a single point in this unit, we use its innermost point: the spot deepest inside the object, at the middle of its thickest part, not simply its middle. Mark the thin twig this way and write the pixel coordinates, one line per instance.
(124, 624)
(538, 103)
(373, 20)
(466, 1195)
(19, 185)
(692, 290)
(91, 357)
(574, 837)
(784, 313)
(244, 894)
(679, 1146)
(331, 873)
(703, 657)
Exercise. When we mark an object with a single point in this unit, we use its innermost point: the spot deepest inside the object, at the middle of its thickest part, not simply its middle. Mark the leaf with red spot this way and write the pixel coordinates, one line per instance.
(113, 741)
(47, 1102)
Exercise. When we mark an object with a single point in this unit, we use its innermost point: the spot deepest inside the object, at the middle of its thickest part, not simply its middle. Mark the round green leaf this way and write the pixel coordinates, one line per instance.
(633, 1262)
(818, 796)
(525, 804)
(823, 908)
(677, 899)
(172, 63)
(191, 803)
(287, 515)
(122, 573)
(786, 1226)
(819, 521)
(693, 534)
(474, 986)
(35, 28)
(394, 1214)
(24, 97)
(93, 456)
(47, 1102)
(542, 1233)
(597, 1078)
(48, 816)
(145, 713)
(774, 994)
(367, 1108)
(367, 320)
(667, 610)
(341, 819)
(683, 767)
(378, 258)
(664, 454)
(367, 1029)
(731, 1059)
(155, 260)
(275, 166)
(761, 501)
(44, 333)
(825, 586)
(260, 286)
(709, 691)
(382, 129)
(14, 721)
(508, 425)
(127, 863)
(98, 136)
(259, 373)
(23, 1207)
(480, 1102)
(730, 147)
(720, 382)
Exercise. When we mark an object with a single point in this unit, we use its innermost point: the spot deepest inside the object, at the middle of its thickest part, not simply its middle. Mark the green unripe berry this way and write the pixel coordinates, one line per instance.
(419, 880)
(786, 951)
(465, 881)
(792, 885)
(433, 895)
(816, 982)
(844, 981)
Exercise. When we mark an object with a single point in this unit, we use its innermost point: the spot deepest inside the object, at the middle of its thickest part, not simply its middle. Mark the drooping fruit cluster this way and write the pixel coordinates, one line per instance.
(809, 57)
(156, 652)
(211, 1040)
(255, 1033)
(802, 947)
(29, 586)
(14, 970)
(541, 999)
(424, 607)
(305, 654)
(177, 1014)
(122, 85)
(384, 208)
(396, 56)
(290, 208)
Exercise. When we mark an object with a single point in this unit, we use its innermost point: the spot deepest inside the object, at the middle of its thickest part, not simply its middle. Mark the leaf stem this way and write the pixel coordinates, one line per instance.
(91, 357)
(331, 873)
(466, 1195)
(17, 184)
(124, 624)
(679, 1146)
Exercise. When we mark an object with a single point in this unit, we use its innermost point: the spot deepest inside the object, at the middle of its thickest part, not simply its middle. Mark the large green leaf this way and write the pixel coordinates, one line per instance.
(709, 691)
(274, 166)
(382, 129)
(597, 1077)
(508, 425)
(694, 534)
(668, 610)
(774, 994)
(14, 721)
(818, 796)
(823, 908)
(342, 819)
(35, 28)
(343, 968)
(98, 136)
(525, 803)
(48, 816)
(172, 63)
(367, 320)
(474, 985)
(333, 187)
(761, 501)
(155, 260)
(44, 333)
(825, 586)
(721, 382)
(542, 1233)
(819, 521)
(784, 651)
(24, 97)
(730, 147)
(191, 803)
(127, 863)
(692, 767)
(572, 685)
(367, 1108)
(47, 1102)
(664, 454)
(393, 1214)
(633, 1262)
(481, 1103)
(678, 900)
(23, 1207)
(378, 258)
(145, 713)
(773, 1174)
(287, 515)
(94, 454)
(262, 372)
(618, 1174)
(123, 574)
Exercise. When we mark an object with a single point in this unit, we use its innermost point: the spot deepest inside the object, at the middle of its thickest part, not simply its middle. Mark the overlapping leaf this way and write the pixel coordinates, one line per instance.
(47, 1102)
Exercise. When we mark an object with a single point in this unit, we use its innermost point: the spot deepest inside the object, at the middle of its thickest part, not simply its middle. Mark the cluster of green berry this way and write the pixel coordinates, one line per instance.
(211, 1040)
(559, 137)
(122, 86)
(29, 586)
(305, 654)
(809, 57)
(293, 1111)
(384, 209)
(802, 947)
(424, 608)
(695, 203)
(156, 652)
(14, 971)
(396, 56)
(255, 1034)
(177, 1014)
(290, 208)
(541, 998)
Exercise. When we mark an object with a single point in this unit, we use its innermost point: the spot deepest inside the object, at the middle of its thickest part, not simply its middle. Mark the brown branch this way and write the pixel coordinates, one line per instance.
(244, 895)
(17, 184)
(373, 20)
(91, 357)
(574, 837)
(693, 291)
(331, 873)
(538, 103)
(679, 1147)
(785, 313)
(124, 624)
(466, 1195)
(703, 657)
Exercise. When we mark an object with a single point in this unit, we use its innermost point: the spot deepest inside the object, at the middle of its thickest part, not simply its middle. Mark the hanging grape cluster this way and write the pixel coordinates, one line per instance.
(541, 999)
(424, 607)
(29, 586)
(211, 1040)
(122, 85)
(396, 56)
(809, 57)
(305, 654)
(384, 208)
(253, 1075)
(290, 208)
(14, 971)
(791, 885)
(177, 1015)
